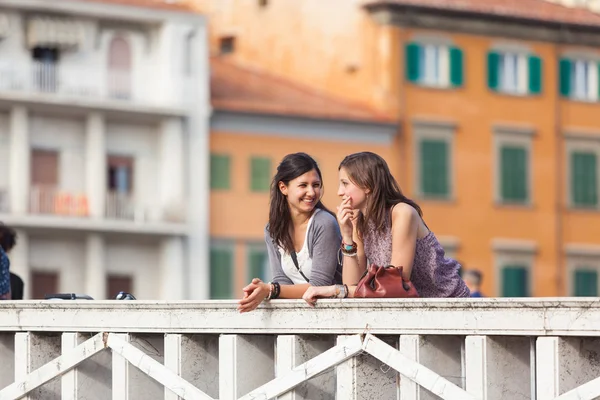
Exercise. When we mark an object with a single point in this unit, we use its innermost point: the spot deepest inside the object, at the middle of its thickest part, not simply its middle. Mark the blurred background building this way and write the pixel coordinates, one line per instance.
(113, 151)
(103, 146)
(485, 110)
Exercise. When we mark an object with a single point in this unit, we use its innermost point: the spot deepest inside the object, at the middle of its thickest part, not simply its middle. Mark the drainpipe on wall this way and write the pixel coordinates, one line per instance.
(559, 192)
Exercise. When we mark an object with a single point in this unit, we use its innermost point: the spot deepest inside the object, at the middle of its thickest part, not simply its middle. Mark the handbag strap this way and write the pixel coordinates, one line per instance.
(295, 260)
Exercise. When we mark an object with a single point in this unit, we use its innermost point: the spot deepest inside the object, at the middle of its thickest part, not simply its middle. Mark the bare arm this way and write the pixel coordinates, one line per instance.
(405, 226)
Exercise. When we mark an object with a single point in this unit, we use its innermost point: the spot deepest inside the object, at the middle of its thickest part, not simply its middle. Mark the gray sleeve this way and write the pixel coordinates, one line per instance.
(275, 262)
(324, 245)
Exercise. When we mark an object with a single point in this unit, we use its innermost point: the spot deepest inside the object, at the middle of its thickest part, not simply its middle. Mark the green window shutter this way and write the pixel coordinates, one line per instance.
(515, 281)
(219, 171)
(584, 182)
(412, 55)
(493, 63)
(260, 174)
(514, 173)
(586, 283)
(257, 264)
(221, 273)
(565, 77)
(535, 75)
(434, 168)
(456, 66)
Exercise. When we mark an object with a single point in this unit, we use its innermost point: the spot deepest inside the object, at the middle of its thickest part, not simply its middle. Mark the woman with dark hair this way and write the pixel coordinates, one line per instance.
(8, 239)
(381, 225)
(303, 238)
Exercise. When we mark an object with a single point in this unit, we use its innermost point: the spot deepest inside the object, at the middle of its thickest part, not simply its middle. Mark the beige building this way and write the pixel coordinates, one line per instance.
(103, 116)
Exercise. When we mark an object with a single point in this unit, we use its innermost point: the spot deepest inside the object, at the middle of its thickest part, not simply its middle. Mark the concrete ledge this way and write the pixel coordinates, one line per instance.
(488, 316)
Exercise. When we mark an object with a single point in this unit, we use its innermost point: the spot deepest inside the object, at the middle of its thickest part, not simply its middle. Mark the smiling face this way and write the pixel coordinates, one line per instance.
(304, 192)
(348, 189)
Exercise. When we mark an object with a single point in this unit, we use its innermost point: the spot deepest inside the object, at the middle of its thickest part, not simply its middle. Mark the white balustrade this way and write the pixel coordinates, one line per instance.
(101, 83)
(413, 349)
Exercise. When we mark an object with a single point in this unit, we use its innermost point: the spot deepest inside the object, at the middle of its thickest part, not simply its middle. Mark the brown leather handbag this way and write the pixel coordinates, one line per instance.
(384, 282)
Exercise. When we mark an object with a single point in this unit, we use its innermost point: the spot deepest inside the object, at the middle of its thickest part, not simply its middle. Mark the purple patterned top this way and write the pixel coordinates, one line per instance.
(433, 274)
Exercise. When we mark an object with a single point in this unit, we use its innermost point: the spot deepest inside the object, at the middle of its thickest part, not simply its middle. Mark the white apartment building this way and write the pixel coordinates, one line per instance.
(104, 110)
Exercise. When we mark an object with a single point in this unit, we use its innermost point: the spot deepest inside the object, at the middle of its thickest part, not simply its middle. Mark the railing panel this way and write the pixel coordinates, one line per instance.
(441, 354)
(293, 350)
(196, 359)
(33, 350)
(90, 380)
(498, 367)
(246, 362)
(365, 377)
(7, 359)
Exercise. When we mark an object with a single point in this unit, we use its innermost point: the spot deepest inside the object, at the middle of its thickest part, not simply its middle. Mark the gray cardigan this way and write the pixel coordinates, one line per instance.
(324, 240)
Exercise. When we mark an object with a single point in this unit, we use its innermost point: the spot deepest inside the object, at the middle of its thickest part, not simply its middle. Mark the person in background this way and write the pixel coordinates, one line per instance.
(8, 240)
(16, 287)
(473, 280)
(302, 237)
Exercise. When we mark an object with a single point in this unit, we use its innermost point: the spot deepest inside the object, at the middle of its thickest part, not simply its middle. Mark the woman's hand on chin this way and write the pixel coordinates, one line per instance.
(254, 294)
(318, 292)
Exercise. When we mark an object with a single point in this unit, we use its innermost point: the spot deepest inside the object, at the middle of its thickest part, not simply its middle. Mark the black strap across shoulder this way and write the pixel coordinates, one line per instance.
(295, 260)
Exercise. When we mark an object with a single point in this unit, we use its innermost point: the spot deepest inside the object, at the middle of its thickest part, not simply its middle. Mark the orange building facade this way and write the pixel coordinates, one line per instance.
(494, 112)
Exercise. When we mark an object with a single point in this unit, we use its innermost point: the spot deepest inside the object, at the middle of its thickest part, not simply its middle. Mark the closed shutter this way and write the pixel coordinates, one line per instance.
(434, 168)
(456, 67)
(535, 75)
(118, 283)
(586, 283)
(515, 281)
(584, 190)
(44, 168)
(219, 171)
(514, 174)
(43, 283)
(412, 55)
(493, 61)
(260, 174)
(221, 273)
(565, 77)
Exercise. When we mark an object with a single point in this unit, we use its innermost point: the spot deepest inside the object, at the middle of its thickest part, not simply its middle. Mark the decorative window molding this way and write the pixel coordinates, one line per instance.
(514, 259)
(437, 136)
(583, 264)
(513, 165)
(434, 62)
(582, 173)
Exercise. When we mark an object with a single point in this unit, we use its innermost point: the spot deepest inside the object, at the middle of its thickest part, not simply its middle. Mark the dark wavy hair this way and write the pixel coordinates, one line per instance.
(8, 237)
(369, 171)
(280, 220)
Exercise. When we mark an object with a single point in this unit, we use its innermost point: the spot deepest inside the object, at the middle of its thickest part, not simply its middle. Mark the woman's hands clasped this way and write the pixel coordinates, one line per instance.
(254, 294)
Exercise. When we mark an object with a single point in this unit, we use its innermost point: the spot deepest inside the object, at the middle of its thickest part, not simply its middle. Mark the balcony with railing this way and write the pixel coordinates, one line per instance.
(485, 349)
(72, 83)
(51, 200)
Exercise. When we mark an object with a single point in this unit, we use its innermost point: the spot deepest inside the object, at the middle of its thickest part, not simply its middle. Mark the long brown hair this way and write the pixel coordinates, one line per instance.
(369, 171)
(280, 219)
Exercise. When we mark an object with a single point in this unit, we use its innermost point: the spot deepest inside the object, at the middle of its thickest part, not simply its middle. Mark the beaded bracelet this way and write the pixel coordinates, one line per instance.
(276, 290)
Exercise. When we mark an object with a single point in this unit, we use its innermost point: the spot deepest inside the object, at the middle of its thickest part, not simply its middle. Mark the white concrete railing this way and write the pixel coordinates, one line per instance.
(76, 82)
(346, 349)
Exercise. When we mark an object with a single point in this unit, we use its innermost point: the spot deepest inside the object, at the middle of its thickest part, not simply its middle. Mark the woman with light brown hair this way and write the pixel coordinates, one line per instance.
(380, 224)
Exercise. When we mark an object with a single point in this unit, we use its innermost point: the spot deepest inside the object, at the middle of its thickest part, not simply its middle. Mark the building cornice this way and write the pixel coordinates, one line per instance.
(485, 24)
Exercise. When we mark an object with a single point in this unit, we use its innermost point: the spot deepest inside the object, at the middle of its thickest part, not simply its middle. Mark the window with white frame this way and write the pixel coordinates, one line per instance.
(515, 72)
(583, 173)
(512, 71)
(514, 261)
(583, 266)
(434, 64)
(579, 79)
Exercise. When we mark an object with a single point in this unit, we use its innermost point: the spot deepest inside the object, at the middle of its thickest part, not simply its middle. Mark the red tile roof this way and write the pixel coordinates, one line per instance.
(235, 88)
(538, 10)
(176, 5)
